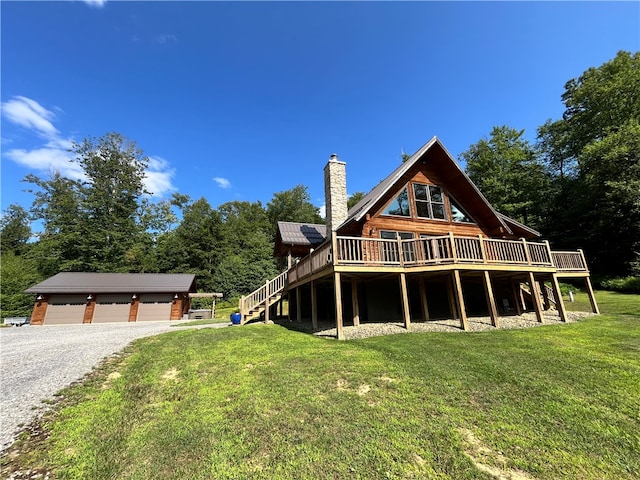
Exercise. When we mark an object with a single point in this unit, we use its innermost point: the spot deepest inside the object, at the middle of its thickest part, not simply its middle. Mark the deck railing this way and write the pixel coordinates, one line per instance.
(435, 250)
(569, 261)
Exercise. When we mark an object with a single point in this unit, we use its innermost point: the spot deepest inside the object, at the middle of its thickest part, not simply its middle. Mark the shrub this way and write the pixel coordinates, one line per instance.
(624, 285)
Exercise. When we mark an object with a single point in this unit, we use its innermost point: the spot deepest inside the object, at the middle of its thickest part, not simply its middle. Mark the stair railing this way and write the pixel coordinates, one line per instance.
(261, 296)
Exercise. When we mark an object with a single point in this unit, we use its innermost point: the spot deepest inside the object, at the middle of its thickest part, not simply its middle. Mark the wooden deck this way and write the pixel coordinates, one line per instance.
(448, 253)
(356, 254)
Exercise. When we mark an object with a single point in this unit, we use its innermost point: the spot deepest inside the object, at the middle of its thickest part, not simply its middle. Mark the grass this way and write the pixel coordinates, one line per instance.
(266, 402)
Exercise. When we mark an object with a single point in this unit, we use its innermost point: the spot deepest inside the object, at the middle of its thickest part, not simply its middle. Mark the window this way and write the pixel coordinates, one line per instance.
(457, 214)
(429, 201)
(399, 205)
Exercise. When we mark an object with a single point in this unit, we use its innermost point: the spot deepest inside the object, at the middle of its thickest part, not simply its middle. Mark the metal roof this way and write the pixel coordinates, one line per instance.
(293, 233)
(360, 209)
(80, 282)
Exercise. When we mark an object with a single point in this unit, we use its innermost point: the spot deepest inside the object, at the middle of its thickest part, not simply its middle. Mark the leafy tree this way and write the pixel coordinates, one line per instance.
(93, 224)
(114, 168)
(354, 199)
(15, 230)
(506, 170)
(246, 248)
(293, 205)
(194, 246)
(57, 204)
(594, 153)
(18, 272)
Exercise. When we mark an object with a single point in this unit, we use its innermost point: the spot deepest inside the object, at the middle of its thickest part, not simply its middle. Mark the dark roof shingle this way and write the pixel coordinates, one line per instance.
(81, 282)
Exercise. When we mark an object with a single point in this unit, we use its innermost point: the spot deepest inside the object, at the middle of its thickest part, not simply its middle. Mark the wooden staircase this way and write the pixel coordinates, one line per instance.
(549, 293)
(260, 300)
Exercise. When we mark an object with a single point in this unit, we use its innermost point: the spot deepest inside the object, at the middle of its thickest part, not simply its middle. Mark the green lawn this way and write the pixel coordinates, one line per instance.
(261, 401)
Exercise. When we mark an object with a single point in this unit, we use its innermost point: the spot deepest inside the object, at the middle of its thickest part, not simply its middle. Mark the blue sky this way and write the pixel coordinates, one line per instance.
(236, 101)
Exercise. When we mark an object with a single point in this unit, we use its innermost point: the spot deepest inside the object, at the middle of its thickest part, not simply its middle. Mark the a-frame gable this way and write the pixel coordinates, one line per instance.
(432, 165)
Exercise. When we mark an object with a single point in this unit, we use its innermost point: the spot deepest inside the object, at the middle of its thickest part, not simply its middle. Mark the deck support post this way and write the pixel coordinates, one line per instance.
(592, 297)
(314, 306)
(337, 288)
(535, 297)
(354, 302)
(491, 301)
(558, 296)
(423, 300)
(406, 315)
(451, 298)
(298, 305)
(460, 300)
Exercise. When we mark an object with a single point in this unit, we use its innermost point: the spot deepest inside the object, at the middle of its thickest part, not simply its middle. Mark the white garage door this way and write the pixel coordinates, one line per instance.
(65, 309)
(112, 308)
(155, 307)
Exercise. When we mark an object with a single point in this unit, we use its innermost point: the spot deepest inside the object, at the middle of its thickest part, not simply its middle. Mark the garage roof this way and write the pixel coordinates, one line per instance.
(80, 282)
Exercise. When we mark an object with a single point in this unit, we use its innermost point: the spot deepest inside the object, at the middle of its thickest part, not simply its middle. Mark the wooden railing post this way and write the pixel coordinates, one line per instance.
(546, 242)
(334, 248)
(400, 252)
(584, 260)
(526, 251)
(482, 252)
(267, 297)
(454, 253)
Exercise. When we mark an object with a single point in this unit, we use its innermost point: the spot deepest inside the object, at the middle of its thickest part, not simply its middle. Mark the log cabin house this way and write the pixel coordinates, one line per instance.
(423, 244)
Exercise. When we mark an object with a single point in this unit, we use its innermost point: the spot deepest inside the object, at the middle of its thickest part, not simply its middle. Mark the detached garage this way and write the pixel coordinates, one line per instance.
(74, 298)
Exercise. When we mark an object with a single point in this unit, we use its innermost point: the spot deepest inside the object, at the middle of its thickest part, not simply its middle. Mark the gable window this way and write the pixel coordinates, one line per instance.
(399, 206)
(429, 201)
(458, 214)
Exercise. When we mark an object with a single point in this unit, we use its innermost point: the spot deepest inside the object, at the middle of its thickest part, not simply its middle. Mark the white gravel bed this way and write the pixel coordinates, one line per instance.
(476, 324)
(38, 361)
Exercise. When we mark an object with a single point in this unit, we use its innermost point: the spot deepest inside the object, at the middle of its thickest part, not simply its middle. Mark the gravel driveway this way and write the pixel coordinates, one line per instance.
(36, 362)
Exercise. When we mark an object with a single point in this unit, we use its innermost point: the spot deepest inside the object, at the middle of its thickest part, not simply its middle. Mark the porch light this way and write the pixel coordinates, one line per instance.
(175, 297)
(134, 296)
(89, 297)
(39, 298)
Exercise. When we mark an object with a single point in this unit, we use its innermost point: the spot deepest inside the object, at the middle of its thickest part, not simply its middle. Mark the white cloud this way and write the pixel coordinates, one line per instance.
(55, 155)
(323, 211)
(95, 3)
(158, 177)
(46, 159)
(222, 182)
(30, 114)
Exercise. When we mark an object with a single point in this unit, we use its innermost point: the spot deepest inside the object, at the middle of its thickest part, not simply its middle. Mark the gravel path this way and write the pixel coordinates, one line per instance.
(37, 362)
(476, 324)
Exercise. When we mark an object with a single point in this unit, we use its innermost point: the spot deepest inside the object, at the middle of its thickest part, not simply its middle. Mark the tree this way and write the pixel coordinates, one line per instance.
(57, 204)
(15, 230)
(93, 224)
(293, 205)
(245, 250)
(195, 244)
(354, 199)
(594, 153)
(506, 170)
(18, 272)
(114, 168)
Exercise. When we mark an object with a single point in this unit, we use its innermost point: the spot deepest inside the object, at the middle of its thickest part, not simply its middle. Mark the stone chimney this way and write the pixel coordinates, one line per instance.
(335, 193)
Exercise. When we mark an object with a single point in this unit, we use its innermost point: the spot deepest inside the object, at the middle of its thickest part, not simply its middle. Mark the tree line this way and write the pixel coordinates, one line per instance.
(578, 184)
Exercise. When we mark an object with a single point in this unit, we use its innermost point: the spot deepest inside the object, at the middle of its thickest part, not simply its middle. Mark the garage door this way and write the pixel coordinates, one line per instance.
(65, 309)
(112, 308)
(155, 307)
